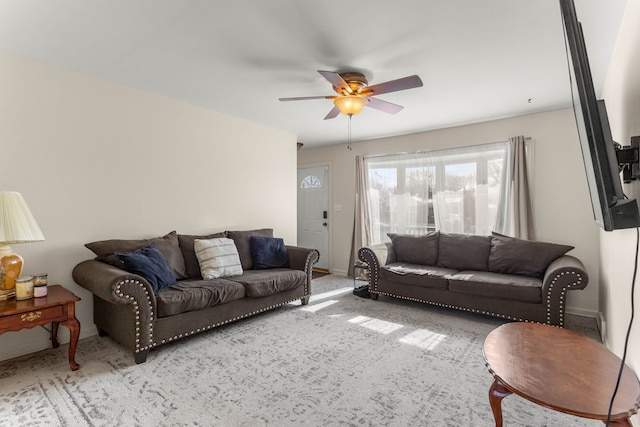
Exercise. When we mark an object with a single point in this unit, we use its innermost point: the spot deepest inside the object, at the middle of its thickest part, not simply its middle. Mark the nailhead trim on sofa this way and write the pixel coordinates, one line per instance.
(136, 309)
(470, 310)
(195, 331)
(575, 279)
(563, 293)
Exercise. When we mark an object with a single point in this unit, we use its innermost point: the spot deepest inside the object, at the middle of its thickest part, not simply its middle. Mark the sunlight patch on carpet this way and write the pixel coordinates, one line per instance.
(423, 338)
(330, 294)
(319, 306)
(377, 325)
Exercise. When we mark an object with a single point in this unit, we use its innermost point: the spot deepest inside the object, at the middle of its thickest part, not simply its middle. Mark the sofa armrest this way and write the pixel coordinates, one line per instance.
(375, 256)
(117, 286)
(564, 274)
(302, 258)
(111, 283)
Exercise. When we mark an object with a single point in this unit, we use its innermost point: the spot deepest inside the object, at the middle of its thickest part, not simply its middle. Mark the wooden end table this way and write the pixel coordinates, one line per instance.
(559, 369)
(58, 307)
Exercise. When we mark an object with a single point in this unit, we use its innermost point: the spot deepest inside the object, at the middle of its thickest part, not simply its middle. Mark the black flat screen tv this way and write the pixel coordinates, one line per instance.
(611, 209)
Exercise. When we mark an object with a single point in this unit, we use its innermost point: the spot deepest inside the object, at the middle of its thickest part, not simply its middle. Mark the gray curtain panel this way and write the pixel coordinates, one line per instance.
(361, 234)
(515, 214)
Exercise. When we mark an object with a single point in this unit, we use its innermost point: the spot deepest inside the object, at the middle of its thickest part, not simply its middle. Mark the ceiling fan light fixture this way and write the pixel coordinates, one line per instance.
(350, 105)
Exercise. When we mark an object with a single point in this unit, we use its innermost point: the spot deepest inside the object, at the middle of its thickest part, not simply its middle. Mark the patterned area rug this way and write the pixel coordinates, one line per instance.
(339, 361)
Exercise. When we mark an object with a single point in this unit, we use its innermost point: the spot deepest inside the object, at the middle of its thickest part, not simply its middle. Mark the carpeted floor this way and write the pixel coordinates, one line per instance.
(339, 361)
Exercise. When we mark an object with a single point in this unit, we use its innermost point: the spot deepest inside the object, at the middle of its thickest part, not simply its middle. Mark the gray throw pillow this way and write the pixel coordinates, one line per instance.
(421, 250)
(167, 245)
(464, 252)
(243, 243)
(510, 255)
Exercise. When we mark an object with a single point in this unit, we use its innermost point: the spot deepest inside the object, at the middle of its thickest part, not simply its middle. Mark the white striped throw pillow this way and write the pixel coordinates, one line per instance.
(217, 258)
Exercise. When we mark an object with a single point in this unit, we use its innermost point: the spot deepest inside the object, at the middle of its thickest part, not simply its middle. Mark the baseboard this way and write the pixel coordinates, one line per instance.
(600, 323)
(44, 343)
(339, 272)
(602, 328)
(581, 312)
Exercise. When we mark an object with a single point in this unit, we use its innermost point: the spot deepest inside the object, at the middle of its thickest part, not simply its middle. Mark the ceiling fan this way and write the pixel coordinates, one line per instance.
(354, 93)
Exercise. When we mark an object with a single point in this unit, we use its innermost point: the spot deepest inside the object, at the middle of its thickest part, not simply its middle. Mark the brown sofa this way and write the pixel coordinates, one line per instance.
(493, 275)
(131, 311)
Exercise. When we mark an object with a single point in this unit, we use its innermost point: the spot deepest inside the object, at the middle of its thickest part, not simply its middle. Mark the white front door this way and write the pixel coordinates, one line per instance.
(313, 212)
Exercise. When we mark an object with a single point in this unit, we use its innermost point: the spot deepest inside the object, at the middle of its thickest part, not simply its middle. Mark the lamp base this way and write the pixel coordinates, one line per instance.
(5, 295)
(10, 269)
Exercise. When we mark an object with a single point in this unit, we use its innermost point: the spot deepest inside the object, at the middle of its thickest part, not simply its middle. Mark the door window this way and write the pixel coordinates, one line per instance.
(311, 181)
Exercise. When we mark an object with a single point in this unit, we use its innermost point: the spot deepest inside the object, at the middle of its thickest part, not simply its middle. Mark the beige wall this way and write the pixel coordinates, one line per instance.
(622, 95)
(562, 210)
(97, 160)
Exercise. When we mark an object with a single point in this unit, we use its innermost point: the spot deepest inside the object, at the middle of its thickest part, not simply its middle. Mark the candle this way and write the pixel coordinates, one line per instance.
(24, 287)
(40, 285)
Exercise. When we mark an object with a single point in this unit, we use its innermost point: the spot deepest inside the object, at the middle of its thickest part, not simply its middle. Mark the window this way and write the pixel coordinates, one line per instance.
(455, 190)
(311, 181)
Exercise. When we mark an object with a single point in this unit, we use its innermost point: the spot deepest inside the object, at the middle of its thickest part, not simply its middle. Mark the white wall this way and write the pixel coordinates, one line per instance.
(97, 160)
(622, 95)
(562, 209)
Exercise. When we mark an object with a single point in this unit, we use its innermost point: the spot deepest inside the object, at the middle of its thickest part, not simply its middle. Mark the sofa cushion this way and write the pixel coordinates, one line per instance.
(185, 241)
(260, 283)
(193, 295)
(167, 245)
(416, 249)
(149, 263)
(510, 255)
(464, 252)
(497, 286)
(416, 275)
(268, 252)
(217, 258)
(244, 244)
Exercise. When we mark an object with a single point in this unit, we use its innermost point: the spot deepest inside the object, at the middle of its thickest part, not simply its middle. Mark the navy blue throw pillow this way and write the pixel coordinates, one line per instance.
(268, 252)
(149, 263)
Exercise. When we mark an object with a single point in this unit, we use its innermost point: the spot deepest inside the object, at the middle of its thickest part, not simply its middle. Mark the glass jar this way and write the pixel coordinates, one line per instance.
(40, 279)
(24, 287)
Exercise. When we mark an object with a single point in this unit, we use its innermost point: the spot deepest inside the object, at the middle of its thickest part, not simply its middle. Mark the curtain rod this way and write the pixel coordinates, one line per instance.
(372, 156)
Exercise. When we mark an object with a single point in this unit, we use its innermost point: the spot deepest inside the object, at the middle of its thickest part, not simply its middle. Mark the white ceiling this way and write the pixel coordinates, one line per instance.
(479, 59)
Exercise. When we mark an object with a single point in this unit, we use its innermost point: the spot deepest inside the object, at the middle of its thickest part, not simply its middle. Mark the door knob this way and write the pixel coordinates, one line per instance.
(324, 223)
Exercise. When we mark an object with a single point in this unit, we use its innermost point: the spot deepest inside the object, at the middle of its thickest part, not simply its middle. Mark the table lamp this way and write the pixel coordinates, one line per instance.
(17, 225)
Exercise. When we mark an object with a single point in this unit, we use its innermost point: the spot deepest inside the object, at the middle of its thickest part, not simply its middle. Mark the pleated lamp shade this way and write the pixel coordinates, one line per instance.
(17, 225)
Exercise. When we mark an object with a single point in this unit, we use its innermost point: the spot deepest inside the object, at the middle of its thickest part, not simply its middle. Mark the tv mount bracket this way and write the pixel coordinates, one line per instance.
(629, 159)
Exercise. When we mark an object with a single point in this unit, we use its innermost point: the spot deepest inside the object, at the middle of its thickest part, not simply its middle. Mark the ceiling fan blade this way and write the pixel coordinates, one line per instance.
(387, 107)
(332, 114)
(302, 98)
(336, 80)
(409, 82)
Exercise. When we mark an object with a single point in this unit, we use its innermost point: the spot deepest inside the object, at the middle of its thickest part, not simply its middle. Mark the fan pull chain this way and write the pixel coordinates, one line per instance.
(349, 134)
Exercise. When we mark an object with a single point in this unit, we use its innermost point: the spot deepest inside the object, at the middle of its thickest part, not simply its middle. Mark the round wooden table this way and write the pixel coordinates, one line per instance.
(559, 369)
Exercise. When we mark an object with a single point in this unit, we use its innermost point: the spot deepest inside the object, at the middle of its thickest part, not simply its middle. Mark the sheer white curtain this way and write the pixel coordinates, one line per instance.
(398, 195)
(470, 190)
(467, 188)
